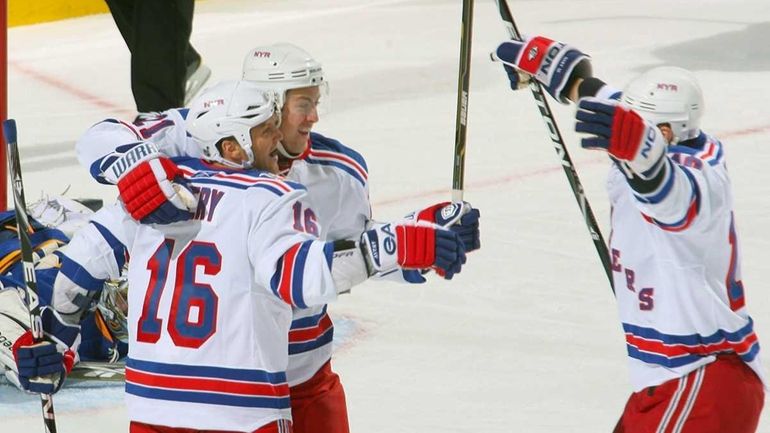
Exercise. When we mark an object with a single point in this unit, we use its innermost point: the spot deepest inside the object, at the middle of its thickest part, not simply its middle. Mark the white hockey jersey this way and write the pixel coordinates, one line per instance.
(211, 300)
(337, 185)
(676, 266)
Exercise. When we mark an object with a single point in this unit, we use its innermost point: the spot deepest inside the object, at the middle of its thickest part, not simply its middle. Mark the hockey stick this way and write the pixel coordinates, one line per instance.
(463, 82)
(561, 150)
(14, 170)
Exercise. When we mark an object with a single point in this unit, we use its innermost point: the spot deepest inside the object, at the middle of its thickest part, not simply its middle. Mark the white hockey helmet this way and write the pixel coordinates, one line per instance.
(668, 94)
(283, 66)
(229, 109)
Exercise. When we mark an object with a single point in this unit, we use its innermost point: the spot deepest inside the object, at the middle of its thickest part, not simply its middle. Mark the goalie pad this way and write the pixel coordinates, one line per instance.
(14, 322)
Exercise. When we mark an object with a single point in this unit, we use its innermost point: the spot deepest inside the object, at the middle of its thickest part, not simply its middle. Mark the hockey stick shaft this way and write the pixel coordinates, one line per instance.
(561, 150)
(463, 84)
(33, 304)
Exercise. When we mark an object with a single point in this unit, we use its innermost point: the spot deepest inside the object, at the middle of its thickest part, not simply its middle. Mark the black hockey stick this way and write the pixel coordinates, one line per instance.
(33, 304)
(561, 150)
(463, 82)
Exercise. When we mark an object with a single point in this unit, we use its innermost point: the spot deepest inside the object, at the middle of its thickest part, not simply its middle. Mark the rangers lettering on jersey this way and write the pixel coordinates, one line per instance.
(208, 199)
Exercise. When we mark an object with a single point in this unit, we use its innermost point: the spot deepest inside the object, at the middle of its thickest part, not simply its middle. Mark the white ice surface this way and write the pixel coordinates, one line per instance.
(526, 339)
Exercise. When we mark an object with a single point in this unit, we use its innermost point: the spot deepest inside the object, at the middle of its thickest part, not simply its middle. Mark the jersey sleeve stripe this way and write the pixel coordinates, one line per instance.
(692, 210)
(284, 285)
(78, 274)
(322, 154)
(297, 281)
(332, 160)
(128, 126)
(118, 249)
(660, 195)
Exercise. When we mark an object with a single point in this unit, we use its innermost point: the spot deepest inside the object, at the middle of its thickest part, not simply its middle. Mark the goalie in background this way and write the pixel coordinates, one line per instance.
(693, 353)
(98, 333)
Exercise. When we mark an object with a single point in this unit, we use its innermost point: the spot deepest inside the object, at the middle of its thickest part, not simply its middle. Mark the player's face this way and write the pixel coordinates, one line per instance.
(299, 114)
(264, 144)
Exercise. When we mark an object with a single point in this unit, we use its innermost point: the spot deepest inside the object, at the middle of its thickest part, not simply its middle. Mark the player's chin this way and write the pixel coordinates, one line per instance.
(272, 162)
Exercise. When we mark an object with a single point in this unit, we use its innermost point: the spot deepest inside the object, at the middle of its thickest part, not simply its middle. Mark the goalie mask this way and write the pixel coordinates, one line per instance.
(112, 308)
(669, 95)
(225, 110)
(283, 67)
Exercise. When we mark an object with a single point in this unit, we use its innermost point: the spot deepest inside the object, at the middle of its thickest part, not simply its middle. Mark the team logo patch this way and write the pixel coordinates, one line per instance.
(449, 211)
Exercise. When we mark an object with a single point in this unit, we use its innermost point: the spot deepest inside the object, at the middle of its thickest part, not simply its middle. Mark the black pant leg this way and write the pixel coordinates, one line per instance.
(122, 12)
(161, 38)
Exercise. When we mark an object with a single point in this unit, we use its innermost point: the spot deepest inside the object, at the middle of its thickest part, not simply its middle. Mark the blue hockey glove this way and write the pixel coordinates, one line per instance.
(623, 133)
(552, 63)
(42, 366)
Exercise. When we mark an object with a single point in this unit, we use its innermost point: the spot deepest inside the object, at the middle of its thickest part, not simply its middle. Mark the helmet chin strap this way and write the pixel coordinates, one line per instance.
(285, 153)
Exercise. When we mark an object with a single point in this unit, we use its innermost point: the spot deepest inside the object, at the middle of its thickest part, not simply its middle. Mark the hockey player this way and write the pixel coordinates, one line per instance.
(211, 297)
(693, 353)
(98, 333)
(336, 179)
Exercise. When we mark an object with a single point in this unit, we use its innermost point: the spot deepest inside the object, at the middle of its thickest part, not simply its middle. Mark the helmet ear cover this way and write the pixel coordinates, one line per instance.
(229, 109)
(667, 95)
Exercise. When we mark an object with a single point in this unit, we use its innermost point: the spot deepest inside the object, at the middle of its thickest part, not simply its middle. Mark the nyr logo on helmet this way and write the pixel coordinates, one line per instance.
(668, 87)
(262, 54)
(213, 103)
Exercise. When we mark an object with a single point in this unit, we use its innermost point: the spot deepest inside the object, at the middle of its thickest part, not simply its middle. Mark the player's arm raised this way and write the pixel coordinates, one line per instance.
(151, 186)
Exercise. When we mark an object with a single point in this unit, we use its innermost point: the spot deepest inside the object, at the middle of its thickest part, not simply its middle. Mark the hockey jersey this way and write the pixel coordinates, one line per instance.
(336, 178)
(211, 299)
(676, 266)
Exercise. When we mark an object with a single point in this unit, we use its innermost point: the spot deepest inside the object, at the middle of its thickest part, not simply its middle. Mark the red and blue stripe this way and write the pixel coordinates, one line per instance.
(310, 333)
(330, 152)
(288, 279)
(206, 384)
(692, 209)
(236, 180)
(654, 347)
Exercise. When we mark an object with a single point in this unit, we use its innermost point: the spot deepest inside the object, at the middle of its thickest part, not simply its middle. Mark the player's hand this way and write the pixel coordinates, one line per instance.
(151, 186)
(43, 366)
(460, 218)
(552, 63)
(621, 132)
(413, 245)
